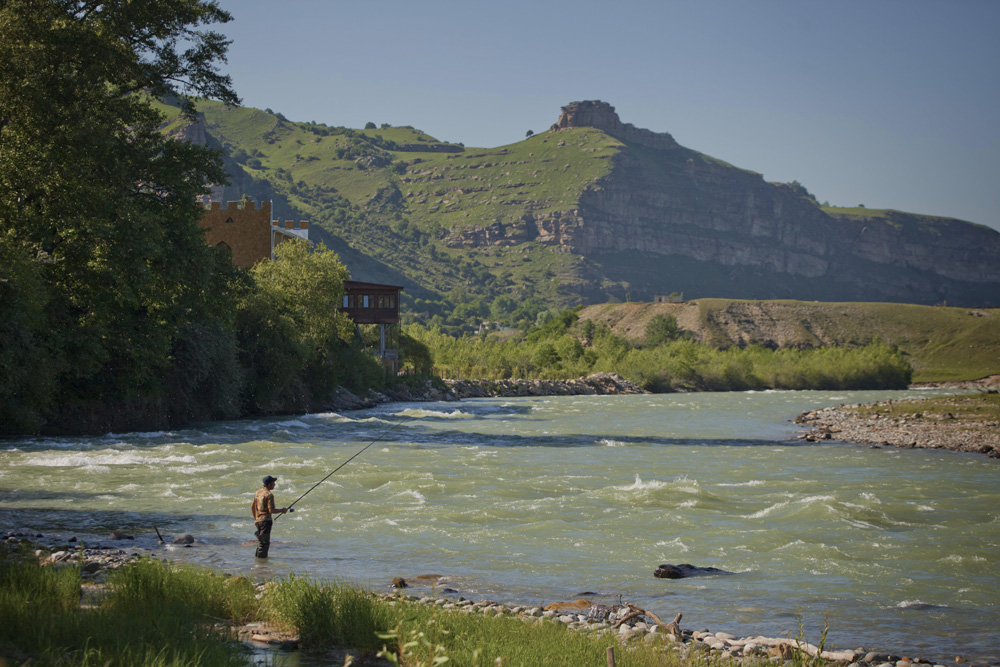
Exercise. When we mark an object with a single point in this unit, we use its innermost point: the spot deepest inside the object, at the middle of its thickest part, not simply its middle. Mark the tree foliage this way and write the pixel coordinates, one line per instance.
(662, 329)
(99, 220)
(564, 348)
(299, 330)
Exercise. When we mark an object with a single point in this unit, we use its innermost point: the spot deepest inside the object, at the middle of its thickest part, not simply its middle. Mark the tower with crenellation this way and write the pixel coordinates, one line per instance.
(247, 231)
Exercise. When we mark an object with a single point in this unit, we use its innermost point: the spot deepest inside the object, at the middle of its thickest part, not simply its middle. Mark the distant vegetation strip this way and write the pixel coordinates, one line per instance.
(666, 360)
(941, 343)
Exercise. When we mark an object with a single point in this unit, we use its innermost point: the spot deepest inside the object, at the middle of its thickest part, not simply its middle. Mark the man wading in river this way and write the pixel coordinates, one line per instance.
(262, 508)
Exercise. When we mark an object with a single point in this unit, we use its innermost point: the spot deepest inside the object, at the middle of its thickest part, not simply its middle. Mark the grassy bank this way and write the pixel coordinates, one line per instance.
(150, 613)
(981, 408)
(164, 615)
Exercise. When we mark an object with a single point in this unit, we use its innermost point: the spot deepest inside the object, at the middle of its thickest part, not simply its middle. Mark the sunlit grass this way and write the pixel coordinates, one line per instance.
(147, 621)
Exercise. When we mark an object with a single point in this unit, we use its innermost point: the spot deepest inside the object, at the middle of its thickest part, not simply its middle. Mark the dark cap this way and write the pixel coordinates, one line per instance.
(269, 479)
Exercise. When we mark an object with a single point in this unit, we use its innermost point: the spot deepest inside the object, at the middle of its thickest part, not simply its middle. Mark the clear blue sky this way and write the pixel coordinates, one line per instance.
(886, 103)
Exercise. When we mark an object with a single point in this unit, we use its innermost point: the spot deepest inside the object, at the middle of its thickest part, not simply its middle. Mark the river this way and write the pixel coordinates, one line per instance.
(536, 500)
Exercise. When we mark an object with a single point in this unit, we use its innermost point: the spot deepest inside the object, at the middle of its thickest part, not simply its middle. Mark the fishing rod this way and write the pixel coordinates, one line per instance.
(357, 454)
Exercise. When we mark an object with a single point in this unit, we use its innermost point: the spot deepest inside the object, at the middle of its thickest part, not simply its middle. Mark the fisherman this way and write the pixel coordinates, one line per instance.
(262, 508)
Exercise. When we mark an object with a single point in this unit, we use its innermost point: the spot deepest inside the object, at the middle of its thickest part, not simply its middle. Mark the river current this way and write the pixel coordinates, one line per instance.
(536, 500)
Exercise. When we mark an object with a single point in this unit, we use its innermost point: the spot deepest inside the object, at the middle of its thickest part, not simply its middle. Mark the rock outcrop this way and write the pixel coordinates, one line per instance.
(602, 116)
(667, 218)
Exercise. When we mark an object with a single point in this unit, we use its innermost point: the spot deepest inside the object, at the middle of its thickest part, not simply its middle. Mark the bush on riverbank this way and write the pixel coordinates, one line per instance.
(564, 348)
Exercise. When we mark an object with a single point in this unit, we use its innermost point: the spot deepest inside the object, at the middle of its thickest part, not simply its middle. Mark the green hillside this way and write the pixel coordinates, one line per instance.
(386, 198)
(462, 228)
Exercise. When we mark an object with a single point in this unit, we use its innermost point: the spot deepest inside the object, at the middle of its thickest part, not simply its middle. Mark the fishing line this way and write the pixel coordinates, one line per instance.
(357, 454)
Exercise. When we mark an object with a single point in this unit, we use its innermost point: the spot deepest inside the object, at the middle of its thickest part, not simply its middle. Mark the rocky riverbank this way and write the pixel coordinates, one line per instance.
(964, 423)
(597, 384)
(624, 622)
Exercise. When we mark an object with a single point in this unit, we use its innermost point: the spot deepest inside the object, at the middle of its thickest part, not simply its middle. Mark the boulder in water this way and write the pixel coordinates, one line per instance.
(684, 570)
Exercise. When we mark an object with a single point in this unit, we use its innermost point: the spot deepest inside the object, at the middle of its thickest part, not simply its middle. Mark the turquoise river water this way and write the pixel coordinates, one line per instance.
(537, 500)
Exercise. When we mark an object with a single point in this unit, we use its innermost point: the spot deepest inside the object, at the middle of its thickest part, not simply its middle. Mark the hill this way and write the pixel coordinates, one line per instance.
(590, 211)
(943, 344)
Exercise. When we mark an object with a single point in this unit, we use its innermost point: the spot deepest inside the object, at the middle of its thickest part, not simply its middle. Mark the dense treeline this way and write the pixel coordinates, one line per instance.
(563, 347)
(114, 313)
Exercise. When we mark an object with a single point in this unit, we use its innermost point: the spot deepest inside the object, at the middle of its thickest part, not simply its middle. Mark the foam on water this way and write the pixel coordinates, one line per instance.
(109, 458)
(435, 414)
(760, 514)
(639, 485)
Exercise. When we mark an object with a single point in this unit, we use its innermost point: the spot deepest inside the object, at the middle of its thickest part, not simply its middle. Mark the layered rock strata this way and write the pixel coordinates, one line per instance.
(669, 218)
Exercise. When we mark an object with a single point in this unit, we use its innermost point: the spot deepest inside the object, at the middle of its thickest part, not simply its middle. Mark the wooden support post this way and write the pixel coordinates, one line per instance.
(611, 656)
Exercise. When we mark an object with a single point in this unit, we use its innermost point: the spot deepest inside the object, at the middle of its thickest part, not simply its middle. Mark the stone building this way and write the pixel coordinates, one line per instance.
(247, 230)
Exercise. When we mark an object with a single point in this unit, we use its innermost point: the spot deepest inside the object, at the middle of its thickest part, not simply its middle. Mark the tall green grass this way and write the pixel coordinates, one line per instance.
(328, 613)
(480, 641)
(150, 583)
(148, 620)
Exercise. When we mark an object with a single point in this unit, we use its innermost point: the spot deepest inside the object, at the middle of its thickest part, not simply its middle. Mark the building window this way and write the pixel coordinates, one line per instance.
(365, 305)
(347, 300)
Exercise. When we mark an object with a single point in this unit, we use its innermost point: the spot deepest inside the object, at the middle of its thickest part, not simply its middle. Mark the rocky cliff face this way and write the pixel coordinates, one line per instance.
(667, 218)
(602, 116)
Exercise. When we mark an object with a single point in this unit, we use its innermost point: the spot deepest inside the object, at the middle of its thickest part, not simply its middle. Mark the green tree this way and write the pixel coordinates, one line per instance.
(308, 284)
(662, 329)
(304, 287)
(98, 201)
(502, 307)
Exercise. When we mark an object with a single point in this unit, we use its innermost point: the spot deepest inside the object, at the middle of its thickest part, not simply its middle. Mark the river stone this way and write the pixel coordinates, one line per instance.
(683, 570)
(184, 539)
(117, 535)
(627, 634)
